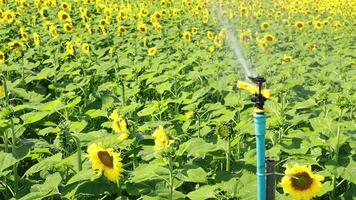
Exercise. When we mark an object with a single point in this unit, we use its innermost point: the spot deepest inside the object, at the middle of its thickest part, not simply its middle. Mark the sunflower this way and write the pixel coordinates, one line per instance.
(53, 31)
(205, 19)
(186, 36)
(106, 161)
(318, 25)
(36, 39)
(157, 26)
(2, 57)
(9, 16)
(15, 44)
(64, 16)
(152, 51)
(246, 36)
(119, 125)
(287, 58)
(262, 44)
(86, 48)
(121, 29)
(68, 27)
(299, 25)
(210, 35)
(88, 27)
(44, 12)
(24, 34)
(161, 139)
(142, 27)
(194, 30)
(69, 48)
(264, 25)
(301, 183)
(2, 91)
(337, 24)
(66, 6)
(269, 38)
(218, 41)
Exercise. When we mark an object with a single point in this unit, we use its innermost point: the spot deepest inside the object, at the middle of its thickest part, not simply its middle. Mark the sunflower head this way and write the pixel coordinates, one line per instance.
(86, 48)
(36, 39)
(269, 38)
(262, 43)
(68, 28)
(119, 125)
(121, 29)
(142, 27)
(152, 51)
(194, 30)
(2, 57)
(299, 25)
(264, 25)
(2, 91)
(210, 35)
(287, 58)
(162, 140)
(186, 36)
(301, 183)
(105, 161)
(69, 48)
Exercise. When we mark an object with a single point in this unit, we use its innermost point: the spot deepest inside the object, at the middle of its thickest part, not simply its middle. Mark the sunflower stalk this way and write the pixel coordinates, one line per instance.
(119, 190)
(79, 150)
(6, 139)
(228, 154)
(170, 164)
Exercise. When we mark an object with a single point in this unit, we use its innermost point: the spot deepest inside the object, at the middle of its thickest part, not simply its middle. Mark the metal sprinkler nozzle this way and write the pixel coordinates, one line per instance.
(260, 95)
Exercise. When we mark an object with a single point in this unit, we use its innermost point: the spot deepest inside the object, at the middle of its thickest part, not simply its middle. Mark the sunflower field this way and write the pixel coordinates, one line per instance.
(119, 99)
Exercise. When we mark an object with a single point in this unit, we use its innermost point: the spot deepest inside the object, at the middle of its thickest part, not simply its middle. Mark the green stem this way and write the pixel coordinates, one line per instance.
(123, 93)
(199, 125)
(338, 137)
(119, 191)
(16, 178)
(170, 179)
(228, 153)
(337, 152)
(79, 151)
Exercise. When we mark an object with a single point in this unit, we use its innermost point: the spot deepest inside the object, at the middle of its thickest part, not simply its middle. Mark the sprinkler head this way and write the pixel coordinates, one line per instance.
(260, 95)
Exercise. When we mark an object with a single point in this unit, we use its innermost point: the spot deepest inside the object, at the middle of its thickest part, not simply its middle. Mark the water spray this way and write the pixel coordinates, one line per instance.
(259, 96)
(233, 43)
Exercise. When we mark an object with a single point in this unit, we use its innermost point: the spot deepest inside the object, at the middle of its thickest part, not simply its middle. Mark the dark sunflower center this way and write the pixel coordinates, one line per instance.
(265, 25)
(299, 25)
(64, 17)
(1, 57)
(142, 29)
(269, 38)
(105, 158)
(302, 182)
(122, 30)
(16, 45)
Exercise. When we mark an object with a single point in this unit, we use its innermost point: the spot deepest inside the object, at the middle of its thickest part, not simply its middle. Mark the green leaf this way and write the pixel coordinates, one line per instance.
(204, 192)
(47, 189)
(85, 174)
(197, 147)
(192, 173)
(7, 160)
(33, 117)
(44, 164)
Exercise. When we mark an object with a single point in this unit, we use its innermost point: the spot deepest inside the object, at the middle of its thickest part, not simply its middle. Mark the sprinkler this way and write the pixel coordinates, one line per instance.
(259, 96)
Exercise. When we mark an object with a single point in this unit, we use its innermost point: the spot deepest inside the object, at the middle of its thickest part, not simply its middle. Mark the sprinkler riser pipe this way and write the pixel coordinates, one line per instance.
(260, 130)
